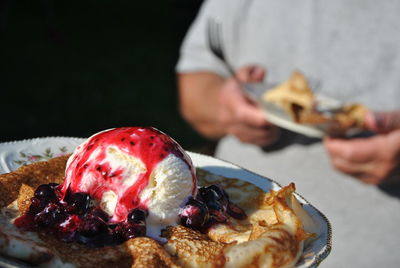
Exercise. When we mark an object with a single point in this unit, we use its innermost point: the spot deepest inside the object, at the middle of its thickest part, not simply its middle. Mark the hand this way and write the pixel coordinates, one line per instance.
(383, 122)
(239, 115)
(372, 160)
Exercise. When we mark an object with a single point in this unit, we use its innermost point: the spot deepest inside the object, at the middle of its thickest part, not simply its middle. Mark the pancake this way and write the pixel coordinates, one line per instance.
(297, 99)
(271, 236)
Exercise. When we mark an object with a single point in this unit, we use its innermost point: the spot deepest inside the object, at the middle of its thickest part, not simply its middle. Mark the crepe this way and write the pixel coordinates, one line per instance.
(296, 97)
(272, 235)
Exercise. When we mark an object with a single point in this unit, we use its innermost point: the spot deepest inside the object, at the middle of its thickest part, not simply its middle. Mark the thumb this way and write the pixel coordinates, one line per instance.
(383, 122)
(251, 74)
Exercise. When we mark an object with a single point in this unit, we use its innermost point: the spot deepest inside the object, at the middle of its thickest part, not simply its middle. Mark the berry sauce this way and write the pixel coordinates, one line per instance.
(89, 170)
(210, 206)
(72, 211)
(77, 219)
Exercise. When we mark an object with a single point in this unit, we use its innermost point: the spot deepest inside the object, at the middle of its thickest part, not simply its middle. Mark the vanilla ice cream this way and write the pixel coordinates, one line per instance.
(133, 167)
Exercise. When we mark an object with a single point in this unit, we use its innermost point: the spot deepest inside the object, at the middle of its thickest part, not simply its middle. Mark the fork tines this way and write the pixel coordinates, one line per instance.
(214, 38)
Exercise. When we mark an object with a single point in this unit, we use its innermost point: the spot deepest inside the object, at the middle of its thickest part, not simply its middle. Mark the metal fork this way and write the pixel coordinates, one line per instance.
(215, 43)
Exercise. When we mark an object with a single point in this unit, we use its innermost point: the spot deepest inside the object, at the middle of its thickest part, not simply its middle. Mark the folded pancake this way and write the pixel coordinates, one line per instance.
(296, 97)
(273, 234)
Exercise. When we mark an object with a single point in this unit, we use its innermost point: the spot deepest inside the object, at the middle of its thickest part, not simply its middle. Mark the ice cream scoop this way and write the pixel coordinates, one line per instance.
(132, 167)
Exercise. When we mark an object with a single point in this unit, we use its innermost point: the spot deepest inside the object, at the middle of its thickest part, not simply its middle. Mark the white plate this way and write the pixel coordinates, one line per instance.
(13, 154)
(16, 153)
(281, 118)
(319, 248)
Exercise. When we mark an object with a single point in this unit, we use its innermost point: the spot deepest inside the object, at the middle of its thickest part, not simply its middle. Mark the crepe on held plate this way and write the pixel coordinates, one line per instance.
(296, 98)
(273, 234)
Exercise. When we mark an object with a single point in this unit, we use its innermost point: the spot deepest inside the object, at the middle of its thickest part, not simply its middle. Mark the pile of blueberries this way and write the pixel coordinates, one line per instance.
(76, 219)
(210, 206)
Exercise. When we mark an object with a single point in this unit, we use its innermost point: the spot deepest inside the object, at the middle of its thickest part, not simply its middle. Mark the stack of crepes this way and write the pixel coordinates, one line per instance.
(272, 235)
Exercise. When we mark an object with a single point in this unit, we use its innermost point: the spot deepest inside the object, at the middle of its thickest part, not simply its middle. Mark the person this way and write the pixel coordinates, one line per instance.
(230, 112)
(351, 49)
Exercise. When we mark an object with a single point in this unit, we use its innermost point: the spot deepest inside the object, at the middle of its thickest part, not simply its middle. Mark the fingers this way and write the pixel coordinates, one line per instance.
(360, 171)
(370, 160)
(356, 150)
(372, 172)
(251, 74)
(244, 119)
(252, 127)
(383, 122)
(251, 115)
(234, 106)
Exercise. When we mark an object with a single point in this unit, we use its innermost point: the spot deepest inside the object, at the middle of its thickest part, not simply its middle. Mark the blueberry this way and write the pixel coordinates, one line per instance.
(95, 232)
(37, 205)
(78, 203)
(98, 212)
(194, 214)
(220, 192)
(127, 230)
(46, 192)
(132, 230)
(236, 212)
(117, 231)
(53, 185)
(92, 226)
(217, 216)
(214, 205)
(52, 214)
(68, 229)
(215, 197)
(137, 215)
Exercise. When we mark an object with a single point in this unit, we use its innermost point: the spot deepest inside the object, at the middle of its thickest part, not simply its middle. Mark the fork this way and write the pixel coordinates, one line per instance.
(215, 43)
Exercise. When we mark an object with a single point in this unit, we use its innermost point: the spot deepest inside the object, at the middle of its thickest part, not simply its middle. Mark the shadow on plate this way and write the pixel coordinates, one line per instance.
(288, 138)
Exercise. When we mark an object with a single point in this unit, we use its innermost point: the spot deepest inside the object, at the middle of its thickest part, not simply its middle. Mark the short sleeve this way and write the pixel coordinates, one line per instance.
(195, 55)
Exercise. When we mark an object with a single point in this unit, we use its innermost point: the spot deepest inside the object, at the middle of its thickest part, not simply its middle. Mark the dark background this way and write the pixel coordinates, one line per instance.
(73, 68)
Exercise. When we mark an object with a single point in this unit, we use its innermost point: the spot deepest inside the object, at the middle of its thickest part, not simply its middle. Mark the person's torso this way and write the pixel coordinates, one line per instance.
(350, 48)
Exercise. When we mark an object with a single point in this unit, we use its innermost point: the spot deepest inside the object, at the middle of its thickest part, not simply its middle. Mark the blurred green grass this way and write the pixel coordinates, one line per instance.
(92, 66)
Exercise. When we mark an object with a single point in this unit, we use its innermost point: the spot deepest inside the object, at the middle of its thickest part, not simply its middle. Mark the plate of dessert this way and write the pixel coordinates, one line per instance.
(294, 106)
(132, 197)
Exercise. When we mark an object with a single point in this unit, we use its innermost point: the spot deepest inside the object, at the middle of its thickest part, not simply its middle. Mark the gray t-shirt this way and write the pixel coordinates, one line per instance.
(352, 49)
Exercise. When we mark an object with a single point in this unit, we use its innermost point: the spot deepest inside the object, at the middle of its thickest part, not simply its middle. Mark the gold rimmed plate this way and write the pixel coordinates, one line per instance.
(13, 154)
